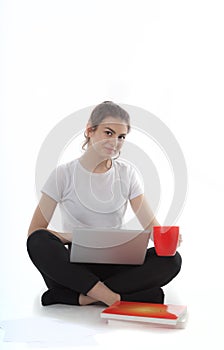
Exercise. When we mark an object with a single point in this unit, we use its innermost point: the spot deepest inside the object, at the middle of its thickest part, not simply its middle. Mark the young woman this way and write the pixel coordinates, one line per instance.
(93, 191)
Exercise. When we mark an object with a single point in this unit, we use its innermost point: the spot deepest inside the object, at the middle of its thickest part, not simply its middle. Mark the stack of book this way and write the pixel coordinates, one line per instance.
(171, 316)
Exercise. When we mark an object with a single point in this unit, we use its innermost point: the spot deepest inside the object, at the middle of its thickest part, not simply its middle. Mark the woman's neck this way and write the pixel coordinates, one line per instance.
(94, 163)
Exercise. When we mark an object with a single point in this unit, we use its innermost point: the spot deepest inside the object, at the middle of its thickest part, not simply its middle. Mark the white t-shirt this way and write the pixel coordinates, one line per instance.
(89, 199)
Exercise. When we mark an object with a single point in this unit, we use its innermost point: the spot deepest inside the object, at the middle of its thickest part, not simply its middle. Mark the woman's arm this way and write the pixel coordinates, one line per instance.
(144, 213)
(42, 216)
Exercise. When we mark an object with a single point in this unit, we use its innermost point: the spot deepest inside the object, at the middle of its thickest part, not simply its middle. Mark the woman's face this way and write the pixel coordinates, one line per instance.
(109, 137)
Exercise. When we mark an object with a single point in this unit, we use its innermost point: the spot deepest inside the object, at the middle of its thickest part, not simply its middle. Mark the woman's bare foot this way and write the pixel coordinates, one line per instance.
(86, 300)
(100, 292)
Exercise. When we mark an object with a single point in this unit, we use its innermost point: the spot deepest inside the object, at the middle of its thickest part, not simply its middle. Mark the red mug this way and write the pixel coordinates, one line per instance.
(166, 240)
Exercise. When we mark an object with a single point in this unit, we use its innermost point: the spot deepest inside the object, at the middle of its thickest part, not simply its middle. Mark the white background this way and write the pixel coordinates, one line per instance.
(164, 56)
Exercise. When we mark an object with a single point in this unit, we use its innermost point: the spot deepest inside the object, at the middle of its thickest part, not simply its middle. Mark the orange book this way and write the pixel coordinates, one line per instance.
(144, 312)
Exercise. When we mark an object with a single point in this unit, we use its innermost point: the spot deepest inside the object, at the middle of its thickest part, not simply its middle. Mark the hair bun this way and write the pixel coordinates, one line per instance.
(107, 102)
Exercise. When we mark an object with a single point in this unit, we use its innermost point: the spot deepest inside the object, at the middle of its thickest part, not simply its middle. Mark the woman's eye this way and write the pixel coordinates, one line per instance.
(109, 133)
(121, 137)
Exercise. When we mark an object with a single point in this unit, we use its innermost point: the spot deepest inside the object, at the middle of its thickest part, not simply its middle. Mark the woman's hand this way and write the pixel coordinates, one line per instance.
(180, 240)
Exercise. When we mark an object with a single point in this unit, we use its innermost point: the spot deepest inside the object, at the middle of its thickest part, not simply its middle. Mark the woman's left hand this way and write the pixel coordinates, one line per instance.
(180, 240)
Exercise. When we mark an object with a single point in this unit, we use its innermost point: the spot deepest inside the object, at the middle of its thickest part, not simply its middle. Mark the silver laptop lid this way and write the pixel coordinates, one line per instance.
(109, 246)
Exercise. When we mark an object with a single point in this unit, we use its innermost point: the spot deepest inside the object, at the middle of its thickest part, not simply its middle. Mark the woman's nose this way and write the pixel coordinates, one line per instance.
(113, 141)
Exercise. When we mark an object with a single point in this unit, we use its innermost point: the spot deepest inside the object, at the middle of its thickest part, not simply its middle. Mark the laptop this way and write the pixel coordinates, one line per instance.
(109, 246)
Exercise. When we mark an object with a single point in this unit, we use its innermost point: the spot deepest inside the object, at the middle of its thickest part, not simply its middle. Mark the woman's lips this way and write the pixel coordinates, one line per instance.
(110, 149)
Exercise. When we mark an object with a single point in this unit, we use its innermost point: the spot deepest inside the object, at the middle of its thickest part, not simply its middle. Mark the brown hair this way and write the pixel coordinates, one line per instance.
(103, 110)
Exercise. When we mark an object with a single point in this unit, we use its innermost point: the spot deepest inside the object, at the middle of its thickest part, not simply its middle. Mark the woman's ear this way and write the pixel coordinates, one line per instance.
(89, 130)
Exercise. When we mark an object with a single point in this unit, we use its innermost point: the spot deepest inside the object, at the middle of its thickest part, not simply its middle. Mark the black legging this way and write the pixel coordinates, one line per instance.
(51, 258)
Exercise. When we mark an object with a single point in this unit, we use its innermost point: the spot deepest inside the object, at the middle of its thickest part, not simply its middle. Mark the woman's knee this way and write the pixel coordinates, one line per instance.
(176, 263)
(173, 263)
(36, 240)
